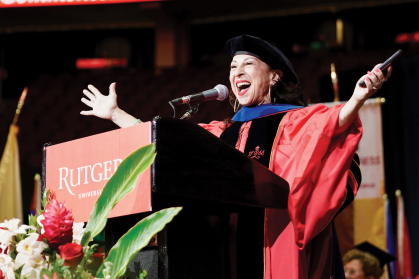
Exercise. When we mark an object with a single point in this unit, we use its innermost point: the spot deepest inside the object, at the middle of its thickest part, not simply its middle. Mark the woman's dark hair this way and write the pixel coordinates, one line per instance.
(281, 93)
(287, 93)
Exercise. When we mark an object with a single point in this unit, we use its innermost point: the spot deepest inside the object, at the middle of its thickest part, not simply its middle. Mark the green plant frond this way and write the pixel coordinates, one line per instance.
(32, 221)
(120, 184)
(135, 239)
(45, 199)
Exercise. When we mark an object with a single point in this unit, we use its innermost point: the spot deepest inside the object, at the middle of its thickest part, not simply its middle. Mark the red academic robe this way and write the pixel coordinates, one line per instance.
(313, 155)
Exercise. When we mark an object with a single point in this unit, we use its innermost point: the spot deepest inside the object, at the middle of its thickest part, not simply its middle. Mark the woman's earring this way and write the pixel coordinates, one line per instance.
(236, 105)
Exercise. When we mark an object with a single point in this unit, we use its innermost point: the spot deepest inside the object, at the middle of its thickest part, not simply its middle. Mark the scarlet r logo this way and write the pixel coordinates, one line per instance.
(257, 153)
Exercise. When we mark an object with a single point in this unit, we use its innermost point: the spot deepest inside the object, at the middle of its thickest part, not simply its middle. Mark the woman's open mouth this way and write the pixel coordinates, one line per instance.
(242, 87)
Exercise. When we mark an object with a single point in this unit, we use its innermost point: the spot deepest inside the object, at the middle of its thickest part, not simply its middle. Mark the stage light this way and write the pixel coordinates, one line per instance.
(402, 38)
(407, 38)
(100, 63)
(339, 31)
(315, 45)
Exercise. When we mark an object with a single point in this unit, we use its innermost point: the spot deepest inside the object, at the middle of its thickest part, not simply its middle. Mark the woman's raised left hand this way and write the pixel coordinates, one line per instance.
(374, 79)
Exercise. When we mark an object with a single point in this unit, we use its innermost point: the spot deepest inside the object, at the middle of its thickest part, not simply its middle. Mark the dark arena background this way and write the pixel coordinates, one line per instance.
(158, 51)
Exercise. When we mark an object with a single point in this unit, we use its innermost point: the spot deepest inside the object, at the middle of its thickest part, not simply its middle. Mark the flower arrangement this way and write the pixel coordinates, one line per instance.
(53, 246)
(51, 242)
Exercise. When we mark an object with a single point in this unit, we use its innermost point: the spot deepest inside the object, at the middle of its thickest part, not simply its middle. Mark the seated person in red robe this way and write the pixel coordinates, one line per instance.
(311, 147)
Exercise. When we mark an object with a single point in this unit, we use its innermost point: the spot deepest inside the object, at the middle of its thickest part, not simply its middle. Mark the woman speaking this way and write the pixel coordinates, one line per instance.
(312, 148)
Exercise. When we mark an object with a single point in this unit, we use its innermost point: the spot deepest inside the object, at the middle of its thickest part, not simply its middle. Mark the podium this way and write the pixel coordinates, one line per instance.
(213, 182)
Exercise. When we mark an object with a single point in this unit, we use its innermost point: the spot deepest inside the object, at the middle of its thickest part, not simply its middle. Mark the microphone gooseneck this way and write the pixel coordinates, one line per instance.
(219, 92)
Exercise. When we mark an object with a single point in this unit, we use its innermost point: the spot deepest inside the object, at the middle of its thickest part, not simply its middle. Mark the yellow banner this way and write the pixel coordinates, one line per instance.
(10, 185)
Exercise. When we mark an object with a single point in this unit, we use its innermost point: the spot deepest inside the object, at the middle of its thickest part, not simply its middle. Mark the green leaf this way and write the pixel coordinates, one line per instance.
(120, 184)
(135, 239)
(45, 199)
(32, 220)
(142, 274)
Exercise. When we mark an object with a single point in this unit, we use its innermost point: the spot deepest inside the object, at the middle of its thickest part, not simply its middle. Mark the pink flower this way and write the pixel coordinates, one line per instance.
(58, 225)
(1, 274)
(72, 253)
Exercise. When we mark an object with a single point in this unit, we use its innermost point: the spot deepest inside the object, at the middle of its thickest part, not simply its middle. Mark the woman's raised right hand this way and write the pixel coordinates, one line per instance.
(102, 106)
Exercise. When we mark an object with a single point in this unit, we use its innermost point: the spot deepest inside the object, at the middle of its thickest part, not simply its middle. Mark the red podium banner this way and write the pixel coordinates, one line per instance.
(78, 170)
(40, 3)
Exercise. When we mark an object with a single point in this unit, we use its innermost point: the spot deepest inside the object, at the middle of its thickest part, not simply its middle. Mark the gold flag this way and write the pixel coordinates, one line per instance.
(10, 184)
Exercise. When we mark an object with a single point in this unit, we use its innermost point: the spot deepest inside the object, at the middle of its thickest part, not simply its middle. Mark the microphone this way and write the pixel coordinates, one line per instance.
(219, 92)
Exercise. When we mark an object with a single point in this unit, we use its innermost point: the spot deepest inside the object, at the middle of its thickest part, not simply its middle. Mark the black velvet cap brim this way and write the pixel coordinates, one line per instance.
(263, 50)
(382, 256)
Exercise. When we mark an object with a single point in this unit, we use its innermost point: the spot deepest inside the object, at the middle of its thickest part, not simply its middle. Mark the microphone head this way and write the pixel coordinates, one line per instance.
(222, 92)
